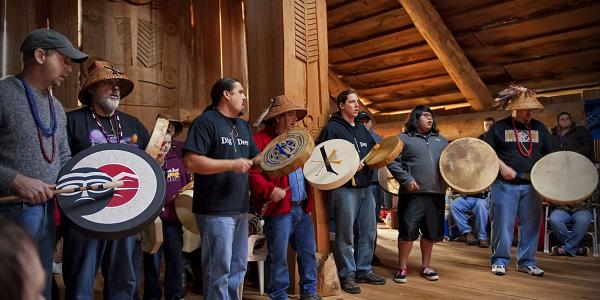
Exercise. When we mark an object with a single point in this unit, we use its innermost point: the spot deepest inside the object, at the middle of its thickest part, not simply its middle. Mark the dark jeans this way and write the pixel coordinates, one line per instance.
(171, 248)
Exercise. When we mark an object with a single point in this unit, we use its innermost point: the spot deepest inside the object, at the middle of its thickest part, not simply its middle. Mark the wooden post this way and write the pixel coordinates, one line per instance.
(432, 27)
(287, 54)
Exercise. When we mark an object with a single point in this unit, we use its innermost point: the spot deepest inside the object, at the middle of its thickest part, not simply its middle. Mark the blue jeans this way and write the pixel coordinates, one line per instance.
(479, 207)
(297, 229)
(38, 220)
(224, 254)
(570, 239)
(353, 211)
(172, 249)
(508, 202)
(83, 255)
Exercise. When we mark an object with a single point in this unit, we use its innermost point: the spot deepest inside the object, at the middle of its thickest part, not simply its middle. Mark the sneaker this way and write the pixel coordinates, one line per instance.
(400, 275)
(375, 261)
(584, 251)
(429, 274)
(371, 279)
(470, 239)
(559, 251)
(531, 270)
(484, 243)
(349, 285)
(498, 270)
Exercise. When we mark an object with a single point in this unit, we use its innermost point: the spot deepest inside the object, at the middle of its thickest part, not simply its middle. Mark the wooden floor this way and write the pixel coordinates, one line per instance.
(465, 274)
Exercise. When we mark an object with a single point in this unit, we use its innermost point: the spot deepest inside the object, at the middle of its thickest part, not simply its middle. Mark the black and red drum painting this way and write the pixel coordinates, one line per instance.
(115, 213)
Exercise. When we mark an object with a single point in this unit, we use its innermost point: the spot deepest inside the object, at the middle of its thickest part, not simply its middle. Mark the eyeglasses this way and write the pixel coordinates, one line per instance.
(427, 115)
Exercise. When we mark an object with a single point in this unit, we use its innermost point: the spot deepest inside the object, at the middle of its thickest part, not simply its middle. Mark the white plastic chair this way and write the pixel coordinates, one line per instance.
(259, 255)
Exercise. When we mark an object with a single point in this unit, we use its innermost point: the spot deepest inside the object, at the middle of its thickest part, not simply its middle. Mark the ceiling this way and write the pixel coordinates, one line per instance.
(549, 45)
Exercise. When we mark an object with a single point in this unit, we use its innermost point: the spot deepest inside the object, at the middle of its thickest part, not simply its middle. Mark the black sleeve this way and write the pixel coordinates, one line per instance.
(253, 149)
(490, 137)
(547, 144)
(143, 136)
(325, 135)
(585, 137)
(200, 137)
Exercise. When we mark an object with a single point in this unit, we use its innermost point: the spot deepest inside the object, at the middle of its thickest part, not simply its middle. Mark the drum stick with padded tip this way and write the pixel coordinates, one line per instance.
(105, 186)
(362, 161)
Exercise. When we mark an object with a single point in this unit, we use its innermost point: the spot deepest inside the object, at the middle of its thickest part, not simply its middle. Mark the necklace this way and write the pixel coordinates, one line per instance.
(48, 131)
(524, 152)
(118, 132)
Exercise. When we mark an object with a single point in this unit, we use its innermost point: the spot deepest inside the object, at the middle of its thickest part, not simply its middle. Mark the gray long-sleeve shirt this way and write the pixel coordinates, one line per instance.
(419, 161)
(20, 151)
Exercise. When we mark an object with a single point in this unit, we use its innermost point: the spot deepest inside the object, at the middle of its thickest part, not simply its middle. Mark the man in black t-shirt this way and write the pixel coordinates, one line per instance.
(219, 149)
(99, 122)
(519, 142)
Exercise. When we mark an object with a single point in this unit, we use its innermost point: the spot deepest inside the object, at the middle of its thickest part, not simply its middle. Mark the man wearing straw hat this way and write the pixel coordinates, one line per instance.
(32, 122)
(286, 206)
(519, 142)
(99, 122)
(353, 203)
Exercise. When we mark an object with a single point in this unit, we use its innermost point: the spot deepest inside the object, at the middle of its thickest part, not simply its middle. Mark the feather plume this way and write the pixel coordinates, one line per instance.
(512, 93)
(263, 114)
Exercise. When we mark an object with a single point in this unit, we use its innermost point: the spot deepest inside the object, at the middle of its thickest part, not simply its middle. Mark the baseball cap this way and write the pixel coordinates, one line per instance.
(362, 116)
(49, 39)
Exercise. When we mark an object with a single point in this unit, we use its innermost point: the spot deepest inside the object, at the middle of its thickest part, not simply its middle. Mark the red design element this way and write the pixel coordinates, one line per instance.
(130, 186)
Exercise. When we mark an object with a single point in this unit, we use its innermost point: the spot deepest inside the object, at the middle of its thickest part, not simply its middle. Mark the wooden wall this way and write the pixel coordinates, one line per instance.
(471, 124)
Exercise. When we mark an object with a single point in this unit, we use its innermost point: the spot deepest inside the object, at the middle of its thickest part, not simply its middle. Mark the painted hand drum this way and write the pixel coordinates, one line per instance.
(115, 213)
(287, 152)
(331, 164)
(183, 208)
(564, 177)
(469, 165)
(385, 152)
(387, 181)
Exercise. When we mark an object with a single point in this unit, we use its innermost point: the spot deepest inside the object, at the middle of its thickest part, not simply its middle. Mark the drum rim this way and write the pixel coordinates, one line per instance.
(297, 162)
(388, 158)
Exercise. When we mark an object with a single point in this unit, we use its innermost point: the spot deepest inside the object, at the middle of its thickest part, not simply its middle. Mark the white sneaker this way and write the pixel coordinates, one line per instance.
(498, 270)
(531, 270)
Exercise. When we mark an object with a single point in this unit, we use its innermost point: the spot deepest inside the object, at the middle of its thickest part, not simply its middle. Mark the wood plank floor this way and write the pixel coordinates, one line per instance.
(464, 274)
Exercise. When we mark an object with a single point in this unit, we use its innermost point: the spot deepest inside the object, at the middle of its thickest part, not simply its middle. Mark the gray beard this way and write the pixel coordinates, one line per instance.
(108, 105)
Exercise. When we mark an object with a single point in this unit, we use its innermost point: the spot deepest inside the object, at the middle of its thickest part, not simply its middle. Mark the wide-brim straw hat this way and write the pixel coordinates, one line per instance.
(279, 105)
(99, 71)
(517, 97)
(176, 123)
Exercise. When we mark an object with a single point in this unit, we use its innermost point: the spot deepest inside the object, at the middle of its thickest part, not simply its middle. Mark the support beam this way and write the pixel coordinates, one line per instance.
(434, 31)
(336, 86)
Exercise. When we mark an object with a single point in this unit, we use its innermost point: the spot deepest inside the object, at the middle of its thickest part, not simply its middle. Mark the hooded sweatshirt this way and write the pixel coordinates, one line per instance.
(359, 136)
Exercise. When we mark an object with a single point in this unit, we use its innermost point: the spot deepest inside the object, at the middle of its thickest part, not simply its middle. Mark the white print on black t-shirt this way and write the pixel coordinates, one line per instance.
(509, 136)
(363, 144)
(229, 141)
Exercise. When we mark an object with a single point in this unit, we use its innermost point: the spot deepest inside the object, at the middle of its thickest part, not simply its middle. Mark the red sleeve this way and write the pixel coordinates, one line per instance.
(260, 186)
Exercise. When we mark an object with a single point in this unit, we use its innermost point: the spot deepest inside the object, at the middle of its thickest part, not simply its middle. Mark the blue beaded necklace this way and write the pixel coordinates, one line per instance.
(49, 130)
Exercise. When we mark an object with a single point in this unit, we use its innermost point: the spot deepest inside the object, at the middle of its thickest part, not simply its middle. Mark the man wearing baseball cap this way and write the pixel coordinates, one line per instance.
(33, 136)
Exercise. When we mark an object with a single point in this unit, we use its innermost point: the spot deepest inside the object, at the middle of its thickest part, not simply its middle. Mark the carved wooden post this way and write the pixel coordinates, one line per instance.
(287, 54)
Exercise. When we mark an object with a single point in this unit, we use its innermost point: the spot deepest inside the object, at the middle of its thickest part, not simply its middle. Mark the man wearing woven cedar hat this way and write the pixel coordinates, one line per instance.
(286, 206)
(99, 122)
(33, 137)
(519, 142)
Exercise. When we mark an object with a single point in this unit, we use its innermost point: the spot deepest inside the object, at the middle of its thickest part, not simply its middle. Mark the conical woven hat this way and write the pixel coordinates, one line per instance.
(99, 71)
(279, 105)
(524, 102)
(517, 97)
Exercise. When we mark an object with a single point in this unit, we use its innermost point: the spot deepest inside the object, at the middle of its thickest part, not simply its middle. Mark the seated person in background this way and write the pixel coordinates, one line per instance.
(479, 206)
(568, 137)
(21, 274)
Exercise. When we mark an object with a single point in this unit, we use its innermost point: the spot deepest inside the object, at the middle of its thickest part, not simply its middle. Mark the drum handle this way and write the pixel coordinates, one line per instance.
(105, 186)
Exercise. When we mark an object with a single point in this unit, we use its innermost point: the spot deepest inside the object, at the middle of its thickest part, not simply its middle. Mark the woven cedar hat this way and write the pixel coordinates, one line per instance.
(178, 124)
(279, 105)
(517, 97)
(101, 70)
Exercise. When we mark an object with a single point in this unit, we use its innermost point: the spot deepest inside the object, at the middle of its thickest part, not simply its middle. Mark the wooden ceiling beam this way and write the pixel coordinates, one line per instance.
(336, 86)
(430, 25)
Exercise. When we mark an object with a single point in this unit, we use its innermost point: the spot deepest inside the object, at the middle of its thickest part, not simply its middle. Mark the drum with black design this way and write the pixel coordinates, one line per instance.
(469, 165)
(564, 177)
(384, 152)
(183, 208)
(387, 181)
(287, 152)
(115, 213)
(332, 164)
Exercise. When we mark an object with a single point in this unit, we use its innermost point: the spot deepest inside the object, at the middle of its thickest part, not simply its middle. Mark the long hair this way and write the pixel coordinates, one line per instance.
(216, 92)
(412, 123)
(14, 244)
(343, 96)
